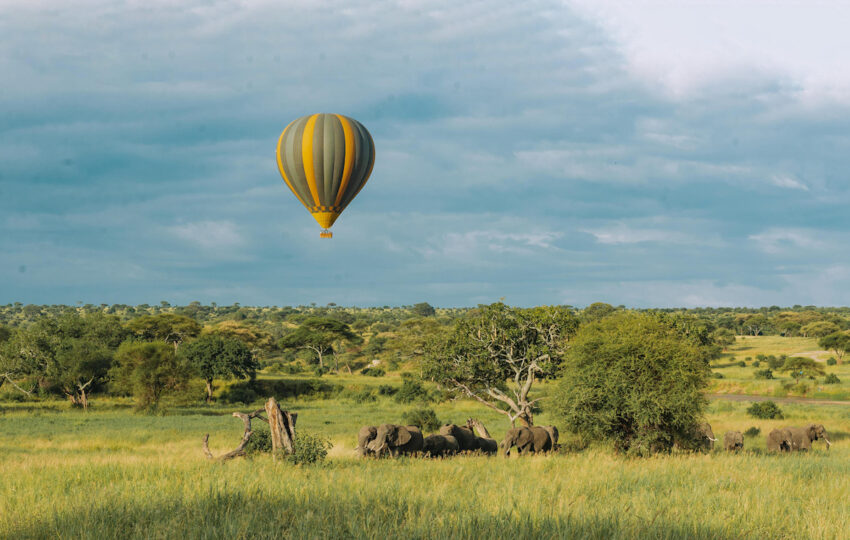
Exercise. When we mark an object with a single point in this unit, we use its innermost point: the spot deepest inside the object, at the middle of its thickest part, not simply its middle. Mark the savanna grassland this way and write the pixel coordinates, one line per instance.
(112, 473)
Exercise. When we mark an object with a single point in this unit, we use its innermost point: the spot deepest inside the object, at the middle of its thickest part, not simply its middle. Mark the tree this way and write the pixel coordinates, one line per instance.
(802, 367)
(79, 365)
(5, 334)
(27, 354)
(167, 327)
(819, 329)
(423, 309)
(412, 337)
(632, 379)
(837, 342)
(495, 354)
(214, 356)
(148, 370)
(753, 323)
(320, 335)
(724, 337)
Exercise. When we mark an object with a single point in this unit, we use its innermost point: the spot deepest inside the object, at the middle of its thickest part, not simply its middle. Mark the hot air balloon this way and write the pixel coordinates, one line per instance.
(325, 159)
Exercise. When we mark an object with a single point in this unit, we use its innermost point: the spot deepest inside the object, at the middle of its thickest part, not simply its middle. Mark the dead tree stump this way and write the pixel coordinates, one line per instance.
(282, 427)
(240, 450)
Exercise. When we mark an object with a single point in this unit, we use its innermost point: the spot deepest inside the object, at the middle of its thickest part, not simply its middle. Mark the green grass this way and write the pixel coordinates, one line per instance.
(111, 473)
(741, 380)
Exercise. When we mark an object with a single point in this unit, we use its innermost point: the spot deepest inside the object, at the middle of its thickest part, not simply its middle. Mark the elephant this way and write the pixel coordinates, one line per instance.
(366, 435)
(706, 434)
(396, 440)
(697, 437)
(487, 446)
(779, 440)
(526, 439)
(553, 434)
(802, 437)
(466, 439)
(439, 445)
(733, 441)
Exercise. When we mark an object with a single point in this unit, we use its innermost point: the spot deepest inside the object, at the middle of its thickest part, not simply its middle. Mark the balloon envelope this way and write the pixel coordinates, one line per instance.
(325, 159)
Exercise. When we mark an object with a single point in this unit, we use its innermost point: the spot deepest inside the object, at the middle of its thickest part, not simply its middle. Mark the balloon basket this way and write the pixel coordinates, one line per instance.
(326, 234)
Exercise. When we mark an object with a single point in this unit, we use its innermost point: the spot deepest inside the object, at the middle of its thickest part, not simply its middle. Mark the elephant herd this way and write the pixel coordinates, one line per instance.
(395, 440)
(779, 440)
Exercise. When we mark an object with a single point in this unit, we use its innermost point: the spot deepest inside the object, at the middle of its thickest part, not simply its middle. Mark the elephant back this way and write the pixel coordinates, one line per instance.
(466, 439)
(542, 439)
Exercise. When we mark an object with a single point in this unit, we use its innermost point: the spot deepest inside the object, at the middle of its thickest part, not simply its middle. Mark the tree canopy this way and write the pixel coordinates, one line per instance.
(320, 335)
(633, 379)
(215, 356)
(167, 327)
(800, 367)
(495, 354)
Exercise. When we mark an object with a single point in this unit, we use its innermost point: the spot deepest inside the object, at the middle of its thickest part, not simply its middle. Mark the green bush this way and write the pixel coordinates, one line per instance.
(832, 378)
(318, 371)
(260, 441)
(249, 391)
(309, 449)
(364, 396)
(425, 418)
(742, 364)
(373, 372)
(387, 390)
(411, 390)
(774, 362)
(756, 363)
(766, 410)
(717, 375)
(831, 361)
(763, 374)
(752, 432)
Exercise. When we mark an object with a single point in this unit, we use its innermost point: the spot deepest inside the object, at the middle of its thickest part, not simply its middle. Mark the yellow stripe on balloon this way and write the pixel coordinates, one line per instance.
(349, 157)
(307, 157)
(280, 166)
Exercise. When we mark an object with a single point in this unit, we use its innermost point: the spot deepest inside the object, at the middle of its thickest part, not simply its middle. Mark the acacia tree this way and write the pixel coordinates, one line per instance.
(802, 367)
(167, 327)
(214, 356)
(27, 355)
(78, 366)
(495, 355)
(838, 342)
(320, 335)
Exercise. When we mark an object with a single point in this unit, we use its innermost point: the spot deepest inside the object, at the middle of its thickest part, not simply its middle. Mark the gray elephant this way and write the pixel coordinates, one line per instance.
(440, 445)
(526, 440)
(487, 446)
(779, 440)
(366, 435)
(396, 440)
(553, 435)
(802, 437)
(706, 436)
(733, 441)
(466, 439)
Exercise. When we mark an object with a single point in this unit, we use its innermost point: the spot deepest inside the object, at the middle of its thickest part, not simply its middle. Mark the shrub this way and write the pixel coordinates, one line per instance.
(387, 390)
(319, 371)
(249, 391)
(756, 363)
(774, 362)
(761, 357)
(831, 361)
(832, 378)
(373, 372)
(364, 396)
(763, 374)
(747, 359)
(309, 449)
(766, 410)
(411, 390)
(425, 418)
(742, 363)
(752, 432)
(260, 442)
(717, 375)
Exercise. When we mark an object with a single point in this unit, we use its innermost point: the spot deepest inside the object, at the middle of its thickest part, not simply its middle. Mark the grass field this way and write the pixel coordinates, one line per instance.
(110, 473)
(741, 380)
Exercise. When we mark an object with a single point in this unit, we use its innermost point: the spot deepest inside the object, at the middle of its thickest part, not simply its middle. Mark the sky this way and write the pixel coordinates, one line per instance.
(651, 154)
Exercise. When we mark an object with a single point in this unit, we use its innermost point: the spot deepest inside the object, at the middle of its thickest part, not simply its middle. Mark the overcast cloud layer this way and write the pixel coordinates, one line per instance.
(539, 152)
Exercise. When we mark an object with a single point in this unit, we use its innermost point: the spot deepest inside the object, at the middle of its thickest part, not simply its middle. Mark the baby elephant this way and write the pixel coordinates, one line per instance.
(733, 441)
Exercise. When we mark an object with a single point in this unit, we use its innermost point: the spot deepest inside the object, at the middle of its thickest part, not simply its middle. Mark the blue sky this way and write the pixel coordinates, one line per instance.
(544, 152)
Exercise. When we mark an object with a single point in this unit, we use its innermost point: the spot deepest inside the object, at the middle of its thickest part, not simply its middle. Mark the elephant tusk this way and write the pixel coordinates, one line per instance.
(828, 444)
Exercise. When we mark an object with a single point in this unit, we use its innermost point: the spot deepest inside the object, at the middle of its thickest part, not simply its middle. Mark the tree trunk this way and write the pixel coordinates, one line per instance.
(84, 400)
(209, 390)
(282, 427)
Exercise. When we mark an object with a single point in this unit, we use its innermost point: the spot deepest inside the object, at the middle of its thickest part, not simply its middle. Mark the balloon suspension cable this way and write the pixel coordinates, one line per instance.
(326, 233)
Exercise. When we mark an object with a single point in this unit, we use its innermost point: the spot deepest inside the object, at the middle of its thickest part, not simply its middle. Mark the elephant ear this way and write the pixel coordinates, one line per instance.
(813, 432)
(524, 437)
(403, 435)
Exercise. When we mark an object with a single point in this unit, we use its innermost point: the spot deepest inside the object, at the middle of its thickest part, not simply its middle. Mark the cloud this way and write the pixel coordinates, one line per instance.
(622, 234)
(209, 234)
(789, 182)
(779, 240)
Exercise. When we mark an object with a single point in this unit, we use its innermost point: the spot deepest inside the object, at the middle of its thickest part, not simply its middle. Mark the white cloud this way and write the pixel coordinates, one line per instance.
(785, 181)
(686, 45)
(623, 234)
(209, 234)
(781, 240)
(472, 244)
